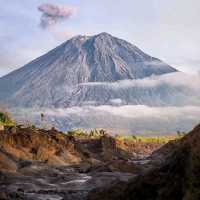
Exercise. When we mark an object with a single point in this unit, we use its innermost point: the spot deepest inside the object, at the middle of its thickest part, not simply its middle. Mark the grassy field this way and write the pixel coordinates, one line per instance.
(158, 139)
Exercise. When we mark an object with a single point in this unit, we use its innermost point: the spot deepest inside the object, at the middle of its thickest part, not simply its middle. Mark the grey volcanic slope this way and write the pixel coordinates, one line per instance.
(55, 78)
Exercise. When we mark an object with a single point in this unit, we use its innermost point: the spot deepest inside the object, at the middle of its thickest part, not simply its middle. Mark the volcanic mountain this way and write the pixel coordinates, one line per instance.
(61, 77)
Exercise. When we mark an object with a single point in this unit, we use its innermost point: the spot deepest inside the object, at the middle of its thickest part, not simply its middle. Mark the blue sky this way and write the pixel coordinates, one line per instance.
(168, 29)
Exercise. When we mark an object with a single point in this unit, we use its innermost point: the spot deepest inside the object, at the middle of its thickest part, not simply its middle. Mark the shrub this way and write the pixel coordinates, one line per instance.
(77, 133)
(5, 119)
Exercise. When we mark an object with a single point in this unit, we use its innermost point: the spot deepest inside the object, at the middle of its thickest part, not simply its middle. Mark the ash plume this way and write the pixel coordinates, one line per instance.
(53, 14)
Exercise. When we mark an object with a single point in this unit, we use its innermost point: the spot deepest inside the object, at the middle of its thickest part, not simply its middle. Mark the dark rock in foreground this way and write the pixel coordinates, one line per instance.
(176, 178)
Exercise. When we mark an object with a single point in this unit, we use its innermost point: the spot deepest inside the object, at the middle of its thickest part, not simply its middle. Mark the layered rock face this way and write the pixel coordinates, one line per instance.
(28, 144)
(57, 149)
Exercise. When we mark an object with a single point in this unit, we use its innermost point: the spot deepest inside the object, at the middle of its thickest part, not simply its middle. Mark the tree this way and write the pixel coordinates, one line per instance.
(134, 137)
(181, 134)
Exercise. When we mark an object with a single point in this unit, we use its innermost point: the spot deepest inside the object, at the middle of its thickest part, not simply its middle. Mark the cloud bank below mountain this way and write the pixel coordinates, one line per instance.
(130, 119)
(176, 79)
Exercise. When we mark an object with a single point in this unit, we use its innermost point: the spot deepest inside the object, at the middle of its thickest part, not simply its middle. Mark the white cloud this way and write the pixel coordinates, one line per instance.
(116, 101)
(131, 118)
(177, 79)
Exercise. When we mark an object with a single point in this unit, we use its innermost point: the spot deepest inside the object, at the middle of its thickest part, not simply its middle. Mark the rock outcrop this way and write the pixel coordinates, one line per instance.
(19, 145)
(30, 144)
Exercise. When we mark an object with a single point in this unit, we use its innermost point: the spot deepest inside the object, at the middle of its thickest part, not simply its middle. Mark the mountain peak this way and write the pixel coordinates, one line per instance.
(103, 34)
(99, 58)
(81, 39)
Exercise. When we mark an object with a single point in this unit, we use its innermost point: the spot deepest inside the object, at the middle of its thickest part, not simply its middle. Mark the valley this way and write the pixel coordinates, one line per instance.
(47, 164)
(43, 164)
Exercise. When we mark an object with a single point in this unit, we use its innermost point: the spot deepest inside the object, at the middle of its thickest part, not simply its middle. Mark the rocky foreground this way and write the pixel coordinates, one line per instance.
(39, 164)
(49, 165)
(177, 177)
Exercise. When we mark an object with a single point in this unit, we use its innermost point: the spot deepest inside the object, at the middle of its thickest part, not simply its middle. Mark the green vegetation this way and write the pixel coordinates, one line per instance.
(6, 120)
(159, 139)
(79, 133)
(83, 134)
(181, 134)
(33, 126)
